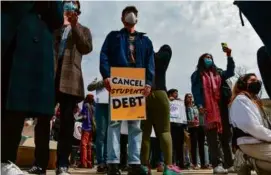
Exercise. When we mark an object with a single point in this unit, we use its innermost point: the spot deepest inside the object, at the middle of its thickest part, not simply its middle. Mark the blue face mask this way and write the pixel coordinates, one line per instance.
(69, 6)
(208, 62)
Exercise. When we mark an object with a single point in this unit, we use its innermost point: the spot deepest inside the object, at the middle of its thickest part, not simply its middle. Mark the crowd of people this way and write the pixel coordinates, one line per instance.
(42, 50)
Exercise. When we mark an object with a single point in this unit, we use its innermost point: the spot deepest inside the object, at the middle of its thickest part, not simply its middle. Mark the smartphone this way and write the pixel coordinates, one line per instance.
(224, 45)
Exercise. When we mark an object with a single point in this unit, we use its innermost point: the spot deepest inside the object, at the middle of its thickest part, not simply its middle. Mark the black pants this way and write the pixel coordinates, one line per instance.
(177, 134)
(123, 150)
(197, 138)
(156, 155)
(214, 140)
(12, 126)
(42, 140)
(13, 122)
(65, 140)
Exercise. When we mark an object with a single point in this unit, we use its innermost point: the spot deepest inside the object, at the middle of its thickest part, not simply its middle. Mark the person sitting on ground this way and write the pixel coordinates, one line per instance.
(252, 128)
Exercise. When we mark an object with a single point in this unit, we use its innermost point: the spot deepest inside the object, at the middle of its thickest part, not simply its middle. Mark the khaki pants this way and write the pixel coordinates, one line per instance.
(261, 152)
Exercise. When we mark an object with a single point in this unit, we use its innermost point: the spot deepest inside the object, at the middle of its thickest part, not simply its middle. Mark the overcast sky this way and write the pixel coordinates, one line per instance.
(191, 28)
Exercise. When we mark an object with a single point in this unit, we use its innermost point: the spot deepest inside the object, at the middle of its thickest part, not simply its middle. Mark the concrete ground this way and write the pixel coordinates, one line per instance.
(93, 172)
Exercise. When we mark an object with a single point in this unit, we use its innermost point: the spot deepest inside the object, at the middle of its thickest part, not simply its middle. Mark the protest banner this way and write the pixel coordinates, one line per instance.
(177, 112)
(126, 96)
(77, 130)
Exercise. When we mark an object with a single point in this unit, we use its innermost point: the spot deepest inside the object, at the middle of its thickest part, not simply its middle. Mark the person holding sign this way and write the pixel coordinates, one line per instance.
(130, 49)
(178, 125)
(158, 115)
(212, 96)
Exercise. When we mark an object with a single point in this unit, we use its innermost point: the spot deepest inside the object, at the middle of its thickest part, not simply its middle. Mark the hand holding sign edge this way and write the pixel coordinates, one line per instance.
(107, 84)
(147, 90)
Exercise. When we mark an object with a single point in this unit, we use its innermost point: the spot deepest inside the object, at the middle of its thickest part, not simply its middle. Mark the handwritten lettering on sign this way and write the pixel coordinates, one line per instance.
(126, 97)
(177, 111)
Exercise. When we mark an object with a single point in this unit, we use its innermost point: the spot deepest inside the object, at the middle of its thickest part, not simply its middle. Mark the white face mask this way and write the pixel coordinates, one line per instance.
(130, 18)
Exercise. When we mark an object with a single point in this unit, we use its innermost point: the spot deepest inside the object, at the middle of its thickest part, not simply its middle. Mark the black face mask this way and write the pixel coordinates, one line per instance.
(254, 87)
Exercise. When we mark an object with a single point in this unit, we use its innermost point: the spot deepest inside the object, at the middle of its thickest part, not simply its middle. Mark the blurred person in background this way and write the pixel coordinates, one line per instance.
(178, 127)
(197, 132)
(27, 75)
(88, 131)
(101, 118)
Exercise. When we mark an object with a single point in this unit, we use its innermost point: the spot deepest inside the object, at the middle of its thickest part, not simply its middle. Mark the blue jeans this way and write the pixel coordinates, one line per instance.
(101, 117)
(206, 156)
(134, 142)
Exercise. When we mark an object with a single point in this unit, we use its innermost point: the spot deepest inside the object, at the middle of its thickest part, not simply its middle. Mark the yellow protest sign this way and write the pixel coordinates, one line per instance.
(126, 97)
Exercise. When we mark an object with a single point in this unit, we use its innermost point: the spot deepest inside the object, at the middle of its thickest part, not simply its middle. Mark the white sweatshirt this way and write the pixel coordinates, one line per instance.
(245, 115)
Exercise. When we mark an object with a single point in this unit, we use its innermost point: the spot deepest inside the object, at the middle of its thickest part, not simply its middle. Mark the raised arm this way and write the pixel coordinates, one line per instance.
(230, 69)
(83, 39)
(95, 85)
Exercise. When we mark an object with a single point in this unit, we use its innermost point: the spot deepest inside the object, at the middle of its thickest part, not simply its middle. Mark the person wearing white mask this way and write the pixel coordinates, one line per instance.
(126, 48)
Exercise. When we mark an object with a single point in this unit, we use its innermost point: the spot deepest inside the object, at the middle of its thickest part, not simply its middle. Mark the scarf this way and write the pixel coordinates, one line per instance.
(211, 91)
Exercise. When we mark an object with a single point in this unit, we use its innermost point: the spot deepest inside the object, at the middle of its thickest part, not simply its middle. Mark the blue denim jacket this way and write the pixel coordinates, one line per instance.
(115, 51)
(197, 89)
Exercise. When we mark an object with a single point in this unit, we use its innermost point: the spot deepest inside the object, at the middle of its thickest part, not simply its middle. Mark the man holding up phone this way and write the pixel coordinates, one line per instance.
(72, 41)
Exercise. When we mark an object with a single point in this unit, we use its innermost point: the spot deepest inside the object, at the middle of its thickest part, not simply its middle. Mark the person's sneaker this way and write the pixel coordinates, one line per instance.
(101, 169)
(113, 169)
(145, 170)
(206, 167)
(219, 170)
(172, 170)
(231, 170)
(62, 171)
(195, 167)
(36, 170)
(10, 169)
(160, 167)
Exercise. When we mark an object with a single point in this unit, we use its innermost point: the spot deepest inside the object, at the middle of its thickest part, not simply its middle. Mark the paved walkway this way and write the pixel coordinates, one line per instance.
(92, 172)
